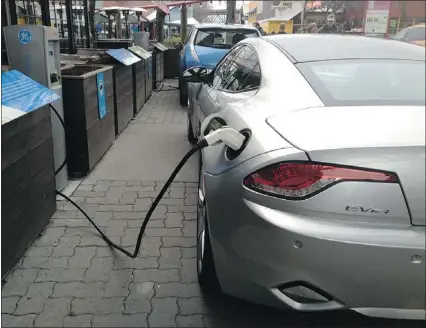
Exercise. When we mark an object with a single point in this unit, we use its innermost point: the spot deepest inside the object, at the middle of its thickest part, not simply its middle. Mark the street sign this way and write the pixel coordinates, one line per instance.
(376, 22)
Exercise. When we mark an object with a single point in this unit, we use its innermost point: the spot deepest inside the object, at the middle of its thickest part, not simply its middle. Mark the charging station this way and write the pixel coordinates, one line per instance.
(35, 51)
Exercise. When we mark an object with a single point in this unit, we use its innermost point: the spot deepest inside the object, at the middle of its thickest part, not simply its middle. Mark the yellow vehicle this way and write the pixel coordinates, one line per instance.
(413, 34)
(270, 26)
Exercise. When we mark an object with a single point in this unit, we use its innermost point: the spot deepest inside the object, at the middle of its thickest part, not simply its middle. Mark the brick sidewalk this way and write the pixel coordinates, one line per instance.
(69, 278)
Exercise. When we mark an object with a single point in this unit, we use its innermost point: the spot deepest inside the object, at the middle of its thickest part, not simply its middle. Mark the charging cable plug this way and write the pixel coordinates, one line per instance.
(232, 138)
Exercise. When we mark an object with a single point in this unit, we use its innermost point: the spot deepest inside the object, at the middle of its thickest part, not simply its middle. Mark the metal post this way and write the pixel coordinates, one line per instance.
(230, 12)
(160, 25)
(70, 26)
(11, 12)
(183, 22)
(45, 13)
(302, 16)
(87, 22)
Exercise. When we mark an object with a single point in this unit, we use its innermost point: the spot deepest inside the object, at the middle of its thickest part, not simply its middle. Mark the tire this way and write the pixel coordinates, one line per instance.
(191, 138)
(206, 271)
(183, 93)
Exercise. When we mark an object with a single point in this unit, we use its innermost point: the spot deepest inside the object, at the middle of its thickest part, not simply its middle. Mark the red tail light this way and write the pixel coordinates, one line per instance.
(300, 180)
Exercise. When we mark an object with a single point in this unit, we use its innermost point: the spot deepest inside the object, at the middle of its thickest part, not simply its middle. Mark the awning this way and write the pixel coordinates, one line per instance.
(284, 17)
(152, 16)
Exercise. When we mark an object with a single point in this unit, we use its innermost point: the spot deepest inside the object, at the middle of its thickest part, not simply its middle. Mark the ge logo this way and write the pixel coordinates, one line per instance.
(24, 36)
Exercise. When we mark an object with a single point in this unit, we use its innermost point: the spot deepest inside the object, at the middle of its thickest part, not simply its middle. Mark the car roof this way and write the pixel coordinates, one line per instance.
(225, 26)
(316, 47)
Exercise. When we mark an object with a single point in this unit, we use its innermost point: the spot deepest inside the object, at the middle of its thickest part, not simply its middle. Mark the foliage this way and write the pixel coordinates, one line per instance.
(172, 41)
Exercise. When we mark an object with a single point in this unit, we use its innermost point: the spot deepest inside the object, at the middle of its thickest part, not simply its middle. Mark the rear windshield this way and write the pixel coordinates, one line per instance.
(221, 38)
(416, 33)
(360, 82)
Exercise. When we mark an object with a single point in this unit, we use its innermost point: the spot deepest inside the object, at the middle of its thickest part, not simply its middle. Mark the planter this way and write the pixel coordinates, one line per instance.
(89, 134)
(146, 59)
(123, 92)
(139, 96)
(158, 65)
(171, 63)
(28, 182)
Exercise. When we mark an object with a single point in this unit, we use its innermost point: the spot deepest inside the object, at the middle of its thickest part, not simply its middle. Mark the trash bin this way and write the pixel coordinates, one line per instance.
(171, 63)
(138, 83)
(27, 166)
(122, 60)
(158, 64)
(146, 57)
(88, 95)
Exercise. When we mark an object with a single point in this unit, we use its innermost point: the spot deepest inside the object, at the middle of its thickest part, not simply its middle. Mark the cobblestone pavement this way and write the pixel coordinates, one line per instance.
(69, 278)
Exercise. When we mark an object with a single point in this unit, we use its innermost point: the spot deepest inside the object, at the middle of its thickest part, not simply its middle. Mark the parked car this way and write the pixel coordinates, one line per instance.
(206, 44)
(323, 208)
(414, 34)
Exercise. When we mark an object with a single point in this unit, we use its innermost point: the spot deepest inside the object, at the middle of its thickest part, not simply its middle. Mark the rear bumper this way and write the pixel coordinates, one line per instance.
(259, 252)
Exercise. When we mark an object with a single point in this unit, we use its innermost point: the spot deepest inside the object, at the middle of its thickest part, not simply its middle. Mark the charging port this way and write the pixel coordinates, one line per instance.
(233, 154)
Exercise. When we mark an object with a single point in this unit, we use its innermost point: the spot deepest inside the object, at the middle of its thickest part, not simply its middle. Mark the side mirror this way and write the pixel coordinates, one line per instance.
(211, 123)
(197, 74)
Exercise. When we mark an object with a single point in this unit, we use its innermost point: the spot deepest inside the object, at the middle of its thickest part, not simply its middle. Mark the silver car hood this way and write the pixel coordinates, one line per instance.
(384, 138)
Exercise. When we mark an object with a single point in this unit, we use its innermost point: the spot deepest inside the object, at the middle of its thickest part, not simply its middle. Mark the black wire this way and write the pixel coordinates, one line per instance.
(63, 125)
(201, 144)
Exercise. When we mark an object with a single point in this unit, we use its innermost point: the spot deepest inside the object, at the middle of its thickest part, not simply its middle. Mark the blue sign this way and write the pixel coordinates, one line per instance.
(101, 95)
(123, 56)
(149, 67)
(20, 92)
(24, 36)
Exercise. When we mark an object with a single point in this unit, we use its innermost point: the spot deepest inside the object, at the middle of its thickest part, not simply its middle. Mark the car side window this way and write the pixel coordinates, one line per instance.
(244, 72)
(222, 69)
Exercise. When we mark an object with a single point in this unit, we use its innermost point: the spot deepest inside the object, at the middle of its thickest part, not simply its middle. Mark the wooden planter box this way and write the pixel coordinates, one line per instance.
(157, 68)
(138, 86)
(171, 63)
(88, 136)
(28, 183)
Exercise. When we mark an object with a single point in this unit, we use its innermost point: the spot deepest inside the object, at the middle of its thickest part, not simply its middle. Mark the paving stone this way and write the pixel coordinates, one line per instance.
(175, 289)
(177, 192)
(179, 242)
(150, 245)
(118, 284)
(85, 193)
(120, 320)
(160, 232)
(78, 321)
(142, 204)
(50, 237)
(60, 275)
(170, 258)
(53, 313)
(137, 263)
(100, 187)
(189, 253)
(99, 270)
(97, 305)
(190, 216)
(181, 208)
(174, 220)
(8, 304)
(97, 240)
(66, 246)
(191, 190)
(90, 210)
(88, 182)
(18, 281)
(152, 223)
(17, 321)
(191, 199)
(82, 257)
(115, 208)
(116, 227)
(147, 194)
(33, 301)
(189, 228)
(70, 223)
(44, 262)
(85, 187)
(163, 312)
(143, 290)
(190, 321)
(102, 200)
(78, 290)
(190, 306)
(64, 214)
(191, 185)
(172, 201)
(156, 275)
(188, 270)
(118, 183)
(137, 304)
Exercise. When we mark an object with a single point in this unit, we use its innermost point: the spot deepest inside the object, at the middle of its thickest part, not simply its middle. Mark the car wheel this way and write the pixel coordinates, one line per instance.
(191, 138)
(205, 265)
(183, 93)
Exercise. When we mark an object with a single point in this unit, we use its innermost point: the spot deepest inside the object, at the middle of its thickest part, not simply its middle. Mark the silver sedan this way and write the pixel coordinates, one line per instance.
(323, 207)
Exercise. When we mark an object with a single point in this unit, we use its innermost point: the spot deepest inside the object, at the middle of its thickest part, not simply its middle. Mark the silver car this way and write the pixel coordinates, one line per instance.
(323, 207)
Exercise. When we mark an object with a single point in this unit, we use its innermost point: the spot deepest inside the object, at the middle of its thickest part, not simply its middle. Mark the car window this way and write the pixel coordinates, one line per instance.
(244, 71)
(222, 38)
(223, 68)
(368, 82)
(416, 33)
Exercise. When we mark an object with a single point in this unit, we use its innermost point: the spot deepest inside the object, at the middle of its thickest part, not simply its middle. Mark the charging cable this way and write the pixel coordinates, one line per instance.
(229, 136)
